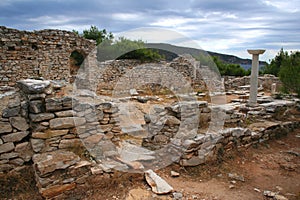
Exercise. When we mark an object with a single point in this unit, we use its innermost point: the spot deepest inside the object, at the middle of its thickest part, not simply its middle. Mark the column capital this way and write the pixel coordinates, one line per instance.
(256, 51)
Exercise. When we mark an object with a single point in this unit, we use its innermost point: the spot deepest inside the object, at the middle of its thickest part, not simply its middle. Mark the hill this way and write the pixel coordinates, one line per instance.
(171, 51)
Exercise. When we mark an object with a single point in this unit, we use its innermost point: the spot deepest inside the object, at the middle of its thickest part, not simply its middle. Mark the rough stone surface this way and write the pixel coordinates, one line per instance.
(31, 86)
(24, 151)
(51, 161)
(15, 137)
(7, 147)
(37, 144)
(41, 117)
(36, 106)
(11, 112)
(5, 127)
(158, 185)
(66, 113)
(19, 123)
(57, 189)
(66, 122)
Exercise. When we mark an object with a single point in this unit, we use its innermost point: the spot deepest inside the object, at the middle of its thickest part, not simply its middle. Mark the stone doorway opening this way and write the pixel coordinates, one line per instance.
(76, 59)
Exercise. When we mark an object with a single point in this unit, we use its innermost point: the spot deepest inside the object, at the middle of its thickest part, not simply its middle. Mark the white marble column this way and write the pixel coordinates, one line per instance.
(254, 75)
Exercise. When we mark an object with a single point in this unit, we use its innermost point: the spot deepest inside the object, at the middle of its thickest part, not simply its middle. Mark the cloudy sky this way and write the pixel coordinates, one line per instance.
(224, 26)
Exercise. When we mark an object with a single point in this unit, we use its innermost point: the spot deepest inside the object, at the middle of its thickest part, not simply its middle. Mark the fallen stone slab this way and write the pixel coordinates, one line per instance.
(158, 185)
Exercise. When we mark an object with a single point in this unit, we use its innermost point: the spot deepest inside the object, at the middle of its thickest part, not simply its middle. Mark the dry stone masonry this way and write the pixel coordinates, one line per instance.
(69, 140)
(69, 137)
(43, 53)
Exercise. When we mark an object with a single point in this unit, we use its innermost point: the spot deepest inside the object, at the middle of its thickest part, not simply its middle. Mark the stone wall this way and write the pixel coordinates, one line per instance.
(266, 81)
(115, 75)
(43, 53)
(69, 139)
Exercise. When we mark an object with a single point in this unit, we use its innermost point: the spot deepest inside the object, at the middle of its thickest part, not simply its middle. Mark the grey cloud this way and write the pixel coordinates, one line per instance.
(209, 20)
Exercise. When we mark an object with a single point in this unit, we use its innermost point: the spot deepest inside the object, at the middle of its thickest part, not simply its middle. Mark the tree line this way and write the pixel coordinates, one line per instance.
(284, 65)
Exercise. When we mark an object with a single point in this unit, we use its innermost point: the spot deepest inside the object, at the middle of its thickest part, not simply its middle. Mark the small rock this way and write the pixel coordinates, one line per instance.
(233, 182)
(268, 193)
(174, 174)
(177, 195)
(257, 190)
(133, 92)
(231, 186)
(279, 197)
(19, 123)
(158, 185)
(279, 188)
(236, 177)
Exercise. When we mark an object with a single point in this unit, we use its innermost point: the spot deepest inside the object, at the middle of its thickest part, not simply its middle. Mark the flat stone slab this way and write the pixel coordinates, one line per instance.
(51, 161)
(33, 86)
(158, 185)
(129, 152)
(66, 122)
(260, 126)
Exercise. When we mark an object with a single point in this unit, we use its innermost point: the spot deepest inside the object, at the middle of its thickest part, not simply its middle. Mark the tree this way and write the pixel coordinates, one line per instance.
(229, 69)
(98, 35)
(124, 48)
(274, 66)
(289, 73)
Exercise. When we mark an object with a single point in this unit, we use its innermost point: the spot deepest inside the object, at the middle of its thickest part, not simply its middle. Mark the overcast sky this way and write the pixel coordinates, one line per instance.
(225, 26)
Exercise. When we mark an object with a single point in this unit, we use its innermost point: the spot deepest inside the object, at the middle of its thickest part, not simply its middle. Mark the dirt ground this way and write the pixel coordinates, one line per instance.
(272, 165)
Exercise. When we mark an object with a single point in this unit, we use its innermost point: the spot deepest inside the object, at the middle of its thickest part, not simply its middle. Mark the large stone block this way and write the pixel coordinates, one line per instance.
(53, 104)
(24, 151)
(50, 161)
(49, 134)
(32, 86)
(66, 113)
(66, 122)
(36, 106)
(57, 190)
(41, 117)
(37, 144)
(11, 112)
(7, 147)
(15, 137)
(71, 143)
(19, 123)
(5, 127)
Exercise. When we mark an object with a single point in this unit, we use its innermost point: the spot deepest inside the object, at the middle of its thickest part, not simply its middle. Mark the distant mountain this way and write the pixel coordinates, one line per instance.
(171, 51)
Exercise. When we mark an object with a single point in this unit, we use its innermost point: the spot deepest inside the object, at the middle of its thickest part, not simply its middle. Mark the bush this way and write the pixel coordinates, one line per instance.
(275, 63)
(289, 73)
(126, 49)
(98, 35)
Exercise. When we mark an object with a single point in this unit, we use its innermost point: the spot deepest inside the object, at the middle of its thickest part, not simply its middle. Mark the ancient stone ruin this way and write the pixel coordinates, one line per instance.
(93, 127)
(46, 53)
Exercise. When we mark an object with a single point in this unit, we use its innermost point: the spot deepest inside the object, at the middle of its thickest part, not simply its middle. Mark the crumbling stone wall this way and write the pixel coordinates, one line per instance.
(172, 74)
(266, 81)
(43, 53)
(39, 125)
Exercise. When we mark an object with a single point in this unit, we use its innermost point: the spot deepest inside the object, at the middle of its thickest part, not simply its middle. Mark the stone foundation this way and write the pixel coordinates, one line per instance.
(69, 139)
